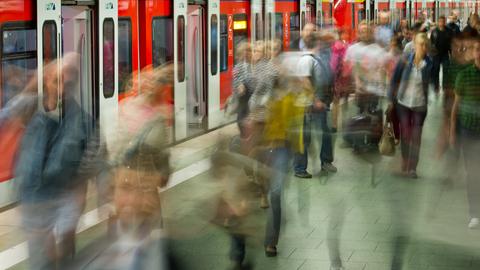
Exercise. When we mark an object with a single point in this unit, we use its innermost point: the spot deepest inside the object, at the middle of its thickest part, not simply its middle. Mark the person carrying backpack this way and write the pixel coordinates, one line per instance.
(316, 75)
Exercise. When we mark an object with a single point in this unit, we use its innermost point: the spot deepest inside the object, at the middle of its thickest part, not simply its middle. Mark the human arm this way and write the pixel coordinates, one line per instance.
(453, 121)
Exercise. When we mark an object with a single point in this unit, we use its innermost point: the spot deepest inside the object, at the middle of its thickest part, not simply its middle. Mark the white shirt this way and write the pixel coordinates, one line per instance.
(413, 97)
(373, 68)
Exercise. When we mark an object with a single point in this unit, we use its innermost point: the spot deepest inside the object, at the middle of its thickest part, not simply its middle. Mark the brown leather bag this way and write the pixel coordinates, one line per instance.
(386, 146)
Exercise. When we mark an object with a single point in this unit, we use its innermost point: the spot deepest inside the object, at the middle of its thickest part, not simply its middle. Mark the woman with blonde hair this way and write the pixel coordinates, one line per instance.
(409, 94)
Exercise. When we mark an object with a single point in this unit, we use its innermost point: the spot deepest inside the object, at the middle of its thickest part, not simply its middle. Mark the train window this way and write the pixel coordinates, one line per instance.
(108, 58)
(214, 44)
(124, 53)
(162, 40)
(49, 41)
(181, 48)
(49, 38)
(18, 61)
(294, 29)
(279, 27)
(223, 43)
(18, 41)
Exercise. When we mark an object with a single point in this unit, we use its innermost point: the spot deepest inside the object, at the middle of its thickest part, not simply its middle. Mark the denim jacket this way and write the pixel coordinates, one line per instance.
(402, 74)
(50, 155)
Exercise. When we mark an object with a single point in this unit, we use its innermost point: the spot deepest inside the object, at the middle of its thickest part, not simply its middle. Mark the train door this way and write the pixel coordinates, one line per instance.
(179, 48)
(107, 63)
(49, 29)
(197, 94)
(214, 112)
(76, 38)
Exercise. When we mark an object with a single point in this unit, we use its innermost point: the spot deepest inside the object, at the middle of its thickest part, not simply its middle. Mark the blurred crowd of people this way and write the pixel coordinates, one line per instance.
(285, 102)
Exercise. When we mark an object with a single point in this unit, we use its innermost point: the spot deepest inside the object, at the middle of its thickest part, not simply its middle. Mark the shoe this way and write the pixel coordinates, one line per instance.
(413, 174)
(303, 175)
(271, 251)
(264, 201)
(329, 168)
(474, 222)
(333, 130)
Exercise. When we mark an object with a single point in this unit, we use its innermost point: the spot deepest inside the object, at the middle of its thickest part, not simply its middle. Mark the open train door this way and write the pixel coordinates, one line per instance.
(49, 30)
(196, 69)
(214, 109)
(107, 62)
(180, 92)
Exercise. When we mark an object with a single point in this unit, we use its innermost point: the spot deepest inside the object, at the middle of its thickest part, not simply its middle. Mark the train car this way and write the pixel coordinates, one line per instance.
(282, 22)
(379, 7)
(128, 52)
(443, 8)
(307, 12)
(234, 29)
(35, 35)
(18, 54)
(400, 10)
(355, 13)
(325, 13)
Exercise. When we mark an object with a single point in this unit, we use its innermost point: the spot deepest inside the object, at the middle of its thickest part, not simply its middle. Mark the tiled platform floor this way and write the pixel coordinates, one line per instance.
(364, 217)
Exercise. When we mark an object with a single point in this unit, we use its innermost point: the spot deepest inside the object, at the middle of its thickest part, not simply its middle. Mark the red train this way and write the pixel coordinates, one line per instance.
(118, 38)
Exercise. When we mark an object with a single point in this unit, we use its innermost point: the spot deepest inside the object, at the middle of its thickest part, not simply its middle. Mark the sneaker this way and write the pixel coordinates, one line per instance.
(329, 168)
(303, 175)
(474, 222)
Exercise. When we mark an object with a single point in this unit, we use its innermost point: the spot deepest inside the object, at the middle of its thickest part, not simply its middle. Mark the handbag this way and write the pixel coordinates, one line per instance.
(386, 145)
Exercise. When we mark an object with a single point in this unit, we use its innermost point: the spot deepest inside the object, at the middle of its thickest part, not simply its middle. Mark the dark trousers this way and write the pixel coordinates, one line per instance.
(438, 60)
(237, 249)
(319, 122)
(470, 145)
(411, 124)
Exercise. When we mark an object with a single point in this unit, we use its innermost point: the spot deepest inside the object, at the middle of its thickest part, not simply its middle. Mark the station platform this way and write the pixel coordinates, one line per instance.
(363, 205)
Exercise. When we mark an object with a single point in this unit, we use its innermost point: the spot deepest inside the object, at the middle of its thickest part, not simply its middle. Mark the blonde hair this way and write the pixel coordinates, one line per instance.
(241, 51)
(422, 37)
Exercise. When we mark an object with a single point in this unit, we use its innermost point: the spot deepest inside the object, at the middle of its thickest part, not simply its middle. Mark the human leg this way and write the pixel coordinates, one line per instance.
(279, 159)
(301, 159)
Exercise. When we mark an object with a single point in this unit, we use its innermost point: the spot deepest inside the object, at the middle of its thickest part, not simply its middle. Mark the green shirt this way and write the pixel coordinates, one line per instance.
(467, 86)
(450, 74)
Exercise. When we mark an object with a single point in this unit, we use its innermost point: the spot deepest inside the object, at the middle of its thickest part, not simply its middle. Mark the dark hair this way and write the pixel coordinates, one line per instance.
(442, 17)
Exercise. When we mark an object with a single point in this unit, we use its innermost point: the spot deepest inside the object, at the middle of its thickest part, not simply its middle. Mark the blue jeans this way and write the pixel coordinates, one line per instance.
(277, 159)
(322, 131)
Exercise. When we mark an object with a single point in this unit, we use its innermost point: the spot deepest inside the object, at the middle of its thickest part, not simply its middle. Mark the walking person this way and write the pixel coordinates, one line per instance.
(409, 94)
(52, 193)
(316, 75)
(465, 124)
(243, 85)
(440, 39)
(342, 78)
